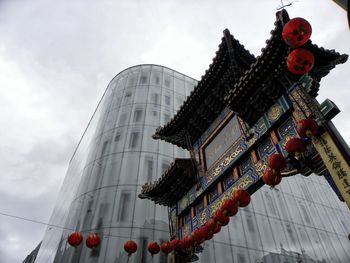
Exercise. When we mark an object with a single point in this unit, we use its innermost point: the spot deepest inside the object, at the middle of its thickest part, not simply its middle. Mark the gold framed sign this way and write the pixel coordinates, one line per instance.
(335, 163)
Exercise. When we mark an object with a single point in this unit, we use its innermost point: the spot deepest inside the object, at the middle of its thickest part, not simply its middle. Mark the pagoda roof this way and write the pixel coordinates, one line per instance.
(267, 78)
(176, 181)
(206, 101)
(247, 85)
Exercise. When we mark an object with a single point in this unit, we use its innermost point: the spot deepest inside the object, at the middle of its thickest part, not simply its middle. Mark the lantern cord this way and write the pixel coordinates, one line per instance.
(33, 221)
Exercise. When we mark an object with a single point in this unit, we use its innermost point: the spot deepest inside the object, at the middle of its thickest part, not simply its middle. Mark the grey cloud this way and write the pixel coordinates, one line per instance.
(66, 52)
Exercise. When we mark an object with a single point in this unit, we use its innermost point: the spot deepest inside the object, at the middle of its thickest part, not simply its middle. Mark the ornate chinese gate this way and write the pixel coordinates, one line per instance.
(249, 121)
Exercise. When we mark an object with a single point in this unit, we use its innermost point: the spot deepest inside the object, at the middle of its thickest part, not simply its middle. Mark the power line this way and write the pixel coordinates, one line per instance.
(32, 220)
(52, 225)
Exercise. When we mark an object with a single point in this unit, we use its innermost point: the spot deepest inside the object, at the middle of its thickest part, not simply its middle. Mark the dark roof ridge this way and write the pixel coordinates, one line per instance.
(178, 174)
(216, 69)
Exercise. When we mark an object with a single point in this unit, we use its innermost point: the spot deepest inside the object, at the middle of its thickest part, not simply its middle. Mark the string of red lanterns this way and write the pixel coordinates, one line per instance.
(240, 198)
(295, 147)
(295, 34)
(76, 238)
(221, 217)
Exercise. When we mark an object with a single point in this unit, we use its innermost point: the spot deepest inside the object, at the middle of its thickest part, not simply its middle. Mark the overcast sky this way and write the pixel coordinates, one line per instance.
(57, 57)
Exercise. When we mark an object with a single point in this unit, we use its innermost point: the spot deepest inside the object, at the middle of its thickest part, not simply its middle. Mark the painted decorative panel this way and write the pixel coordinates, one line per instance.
(223, 164)
(228, 181)
(228, 135)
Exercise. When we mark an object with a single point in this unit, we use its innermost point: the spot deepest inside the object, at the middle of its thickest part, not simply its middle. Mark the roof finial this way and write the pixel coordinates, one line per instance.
(283, 5)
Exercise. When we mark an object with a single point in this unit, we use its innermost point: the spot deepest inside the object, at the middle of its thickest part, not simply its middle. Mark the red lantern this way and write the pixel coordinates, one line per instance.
(242, 196)
(272, 177)
(307, 127)
(206, 232)
(75, 239)
(174, 244)
(217, 229)
(153, 248)
(93, 241)
(296, 32)
(220, 218)
(197, 235)
(224, 221)
(211, 224)
(277, 162)
(295, 146)
(229, 207)
(166, 247)
(300, 61)
(191, 240)
(209, 236)
(130, 247)
(185, 243)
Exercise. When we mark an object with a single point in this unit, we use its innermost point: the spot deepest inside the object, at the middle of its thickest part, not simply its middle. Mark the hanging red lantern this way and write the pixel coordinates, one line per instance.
(242, 196)
(185, 243)
(277, 162)
(300, 61)
(211, 224)
(217, 229)
(198, 238)
(220, 218)
(93, 241)
(307, 127)
(75, 239)
(229, 207)
(295, 146)
(224, 221)
(296, 32)
(174, 244)
(191, 240)
(166, 247)
(272, 177)
(130, 247)
(209, 236)
(153, 248)
(206, 232)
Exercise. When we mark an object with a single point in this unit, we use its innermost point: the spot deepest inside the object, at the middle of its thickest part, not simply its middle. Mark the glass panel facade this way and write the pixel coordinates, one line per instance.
(300, 220)
(115, 156)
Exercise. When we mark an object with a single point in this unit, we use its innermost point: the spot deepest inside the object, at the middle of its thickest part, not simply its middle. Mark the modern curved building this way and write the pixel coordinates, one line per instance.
(302, 220)
(115, 156)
